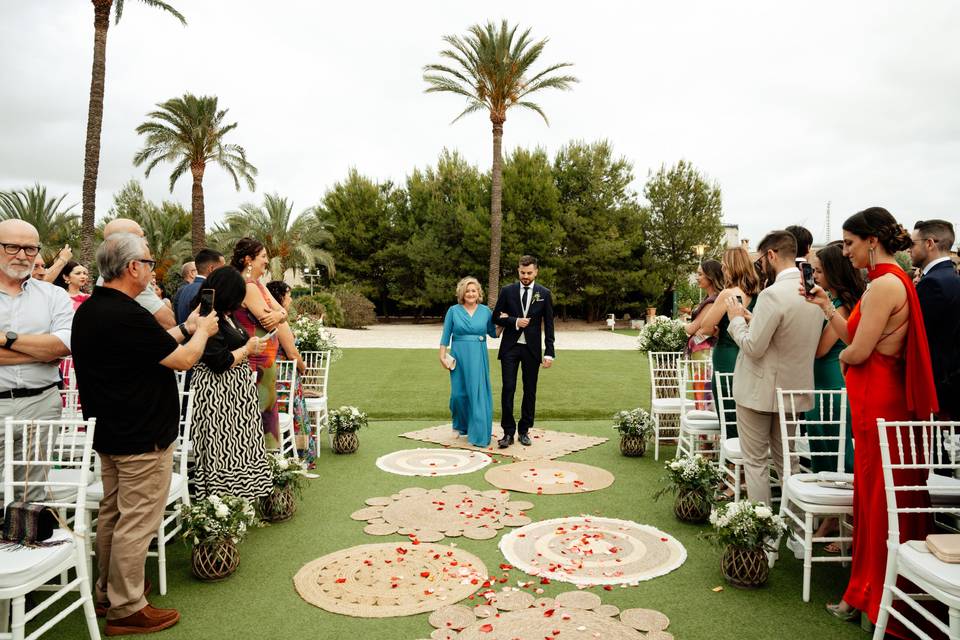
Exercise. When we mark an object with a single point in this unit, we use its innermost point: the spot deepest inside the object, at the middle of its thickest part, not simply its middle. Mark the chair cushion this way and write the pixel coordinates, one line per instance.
(316, 404)
(666, 404)
(20, 565)
(802, 446)
(286, 420)
(731, 449)
(60, 492)
(914, 556)
(805, 488)
(95, 491)
(688, 423)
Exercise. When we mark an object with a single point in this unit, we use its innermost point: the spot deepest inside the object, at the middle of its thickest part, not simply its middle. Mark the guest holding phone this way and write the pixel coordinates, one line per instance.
(227, 428)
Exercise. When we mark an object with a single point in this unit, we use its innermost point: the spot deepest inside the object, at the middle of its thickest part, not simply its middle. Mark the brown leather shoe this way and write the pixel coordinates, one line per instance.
(147, 620)
(102, 607)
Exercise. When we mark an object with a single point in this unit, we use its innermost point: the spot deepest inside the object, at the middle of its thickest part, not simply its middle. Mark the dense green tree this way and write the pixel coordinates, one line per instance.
(491, 67)
(290, 242)
(189, 132)
(56, 224)
(684, 210)
(91, 159)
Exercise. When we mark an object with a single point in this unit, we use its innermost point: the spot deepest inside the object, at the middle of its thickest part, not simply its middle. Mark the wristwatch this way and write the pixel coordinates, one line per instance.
(11, 338)
(183, 330)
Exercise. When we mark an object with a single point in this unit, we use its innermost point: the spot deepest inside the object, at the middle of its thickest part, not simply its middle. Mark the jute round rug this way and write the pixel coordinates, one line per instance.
(576, 614)
(433, 462)
(593, 551)
(428, 515)
(387, 580)
(549, 477)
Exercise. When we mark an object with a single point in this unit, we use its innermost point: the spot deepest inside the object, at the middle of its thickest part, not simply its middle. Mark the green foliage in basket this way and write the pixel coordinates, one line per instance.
(216, 519)
(347, 420)
(745, 524)
(662, 334)
(633, 422)
(287, 472)
(311, 335)
(691, 473)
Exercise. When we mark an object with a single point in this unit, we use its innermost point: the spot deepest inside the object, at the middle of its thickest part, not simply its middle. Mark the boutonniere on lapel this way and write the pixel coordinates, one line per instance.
(536, 298)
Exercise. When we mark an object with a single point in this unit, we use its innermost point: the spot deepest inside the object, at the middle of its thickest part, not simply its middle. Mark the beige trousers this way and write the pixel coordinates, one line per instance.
(759, 434)
(135, 489)
(45, 406)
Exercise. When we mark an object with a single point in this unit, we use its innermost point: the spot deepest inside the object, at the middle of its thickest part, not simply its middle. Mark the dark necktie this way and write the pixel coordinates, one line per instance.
(523, 300)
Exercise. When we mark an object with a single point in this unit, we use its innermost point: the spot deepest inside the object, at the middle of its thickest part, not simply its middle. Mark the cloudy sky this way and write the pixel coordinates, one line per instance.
(787, 107)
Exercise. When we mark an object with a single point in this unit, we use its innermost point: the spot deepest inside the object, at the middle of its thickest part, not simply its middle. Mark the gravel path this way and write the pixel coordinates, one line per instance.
(427, 336)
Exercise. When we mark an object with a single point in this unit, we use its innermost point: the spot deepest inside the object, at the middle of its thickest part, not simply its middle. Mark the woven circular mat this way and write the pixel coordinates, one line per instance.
(549, 477)
(592, 551)
(387, 580)
(455, 510)
(571, 615)
(433, 462)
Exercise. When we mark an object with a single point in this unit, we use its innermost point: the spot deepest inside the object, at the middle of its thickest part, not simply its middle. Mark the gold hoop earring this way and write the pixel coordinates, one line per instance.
(249, 271)
(872, 256)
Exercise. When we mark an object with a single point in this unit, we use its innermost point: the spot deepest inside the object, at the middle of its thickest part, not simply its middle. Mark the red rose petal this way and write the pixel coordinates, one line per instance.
(487, 628)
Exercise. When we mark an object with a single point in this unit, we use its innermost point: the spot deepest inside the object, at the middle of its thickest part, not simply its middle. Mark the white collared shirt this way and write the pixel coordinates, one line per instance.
(523, 339)
(927, 268)
(41, 308)
(146, 298)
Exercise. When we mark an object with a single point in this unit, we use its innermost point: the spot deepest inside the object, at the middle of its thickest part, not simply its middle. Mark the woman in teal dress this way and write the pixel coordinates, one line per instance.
(740, 280)
(466, 327)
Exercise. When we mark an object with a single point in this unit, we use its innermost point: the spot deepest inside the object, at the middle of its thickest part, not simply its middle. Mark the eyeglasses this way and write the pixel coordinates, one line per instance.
(13, 249)
(150, 263)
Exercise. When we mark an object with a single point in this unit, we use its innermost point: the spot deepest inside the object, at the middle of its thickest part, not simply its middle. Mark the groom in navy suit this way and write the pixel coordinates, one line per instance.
(939, 291)
(525, 311)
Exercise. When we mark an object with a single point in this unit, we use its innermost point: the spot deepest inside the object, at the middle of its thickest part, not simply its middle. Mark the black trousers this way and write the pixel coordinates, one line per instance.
(516, 358)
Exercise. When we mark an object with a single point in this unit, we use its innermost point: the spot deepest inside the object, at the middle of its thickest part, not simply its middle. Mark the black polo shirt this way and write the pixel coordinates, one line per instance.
(117, 348)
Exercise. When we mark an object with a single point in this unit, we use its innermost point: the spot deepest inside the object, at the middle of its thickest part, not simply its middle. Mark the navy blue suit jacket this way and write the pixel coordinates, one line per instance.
(540, 313)
(939, 293)
(185, 296)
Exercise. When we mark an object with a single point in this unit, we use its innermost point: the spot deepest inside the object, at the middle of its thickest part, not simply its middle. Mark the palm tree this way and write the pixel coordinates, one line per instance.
(57, 226)
(492, 71)
(91, 159)
(189, 133)
(290, 243)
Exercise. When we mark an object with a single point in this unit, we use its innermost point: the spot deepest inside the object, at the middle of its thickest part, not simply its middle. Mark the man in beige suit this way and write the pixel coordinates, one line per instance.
(777, 349)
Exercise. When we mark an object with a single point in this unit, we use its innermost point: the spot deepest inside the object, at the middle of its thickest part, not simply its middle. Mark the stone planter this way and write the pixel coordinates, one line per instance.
(212, 562)
(280, 505)
(745, 568)
(345, 442)
(632, 445)
(692, 506)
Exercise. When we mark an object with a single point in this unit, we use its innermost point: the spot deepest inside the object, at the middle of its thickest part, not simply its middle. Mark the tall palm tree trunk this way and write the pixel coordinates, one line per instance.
(496, 214)
(198, 238)
(91, 159)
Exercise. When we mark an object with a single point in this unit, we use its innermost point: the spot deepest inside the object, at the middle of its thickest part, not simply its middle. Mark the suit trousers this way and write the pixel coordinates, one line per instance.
(759, 438)
(518, 357)
(135, 489)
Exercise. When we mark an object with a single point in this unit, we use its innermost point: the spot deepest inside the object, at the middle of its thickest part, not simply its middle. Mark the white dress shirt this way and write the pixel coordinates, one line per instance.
(526, 309)
(934, 263)
(40, 308)
(147, 298)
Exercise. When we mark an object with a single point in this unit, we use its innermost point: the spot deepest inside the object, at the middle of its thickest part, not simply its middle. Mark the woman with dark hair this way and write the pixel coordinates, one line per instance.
(710, 279)
(888, 375)
(227, 428)
(259, 315)
(73, 278)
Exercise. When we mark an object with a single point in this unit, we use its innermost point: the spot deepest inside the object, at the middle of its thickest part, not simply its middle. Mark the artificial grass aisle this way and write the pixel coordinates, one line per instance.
(259, 601)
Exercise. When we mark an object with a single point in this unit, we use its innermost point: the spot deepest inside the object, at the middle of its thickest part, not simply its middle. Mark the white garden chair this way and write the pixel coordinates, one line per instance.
(699, 422)
(808, 497)
(179, 492)
(286, 390)
(917, 446)
(314, 384)
(27, 569)
(664, 397)
(731, 455)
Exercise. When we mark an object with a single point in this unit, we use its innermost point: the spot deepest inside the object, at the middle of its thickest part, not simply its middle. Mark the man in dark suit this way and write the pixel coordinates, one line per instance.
(207, 261)
(525, 311)
(939, 293)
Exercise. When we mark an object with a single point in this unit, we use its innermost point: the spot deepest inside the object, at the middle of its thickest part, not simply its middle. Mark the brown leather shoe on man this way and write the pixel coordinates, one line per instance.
(147, 620)
(102, 607)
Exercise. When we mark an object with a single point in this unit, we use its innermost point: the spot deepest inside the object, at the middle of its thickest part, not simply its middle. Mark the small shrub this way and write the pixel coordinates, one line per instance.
(358, 311)
(321, 304)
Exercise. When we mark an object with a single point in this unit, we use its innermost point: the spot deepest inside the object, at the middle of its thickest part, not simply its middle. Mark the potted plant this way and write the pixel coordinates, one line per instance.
(693, 480)
(344, 424)
(747, 531)
(214, 526)
(635, 427)
(311, 335)
(662, 334)
(288, 475)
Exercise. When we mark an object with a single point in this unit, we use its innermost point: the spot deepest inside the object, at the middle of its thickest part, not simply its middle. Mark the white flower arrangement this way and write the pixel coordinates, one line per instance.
(662, 334)
(692, 473)
(347, 420)
(310, 335)
(286, 471)
(633, 422)
(746, 524)
(216, 519)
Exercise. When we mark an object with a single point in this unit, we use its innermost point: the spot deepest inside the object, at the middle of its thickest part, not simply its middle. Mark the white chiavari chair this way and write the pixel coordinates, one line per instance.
(699, 422)
(314, 382)
(286, 393)
(664, 397)
(731, 455)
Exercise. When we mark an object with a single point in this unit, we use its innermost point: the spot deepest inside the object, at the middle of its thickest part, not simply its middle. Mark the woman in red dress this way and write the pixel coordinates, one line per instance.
(888, 375)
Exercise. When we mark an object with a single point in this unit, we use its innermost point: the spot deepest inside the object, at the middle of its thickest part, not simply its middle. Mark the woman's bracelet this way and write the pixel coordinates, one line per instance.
(833, 312)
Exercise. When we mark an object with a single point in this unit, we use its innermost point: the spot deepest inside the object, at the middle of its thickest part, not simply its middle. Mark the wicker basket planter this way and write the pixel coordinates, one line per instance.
(279, 505)
(745, 568)
(212, 562)
(692, 506)
(345, 442)
(633, 445)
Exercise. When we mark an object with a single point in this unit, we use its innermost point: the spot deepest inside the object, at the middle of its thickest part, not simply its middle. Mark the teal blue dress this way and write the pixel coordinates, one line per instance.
(471, 395)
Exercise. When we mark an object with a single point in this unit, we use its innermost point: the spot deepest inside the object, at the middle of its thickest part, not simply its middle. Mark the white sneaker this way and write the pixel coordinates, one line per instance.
(796, 546)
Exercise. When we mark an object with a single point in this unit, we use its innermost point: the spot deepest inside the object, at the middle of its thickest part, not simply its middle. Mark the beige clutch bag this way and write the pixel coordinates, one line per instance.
(946, 546)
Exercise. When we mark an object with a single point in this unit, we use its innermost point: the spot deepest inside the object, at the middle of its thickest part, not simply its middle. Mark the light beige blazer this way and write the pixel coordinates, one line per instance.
(777, 347)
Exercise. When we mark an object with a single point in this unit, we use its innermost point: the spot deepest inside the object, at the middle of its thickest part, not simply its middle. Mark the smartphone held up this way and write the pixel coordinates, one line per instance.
(206, 301)
(806, 271)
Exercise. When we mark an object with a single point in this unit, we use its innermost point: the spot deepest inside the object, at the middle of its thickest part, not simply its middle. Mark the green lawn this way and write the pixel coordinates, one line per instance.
(259, 601)
(628, 332)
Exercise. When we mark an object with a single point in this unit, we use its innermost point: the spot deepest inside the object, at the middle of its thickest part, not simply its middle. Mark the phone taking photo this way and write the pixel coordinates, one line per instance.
(806, 269)
(206, 301)
(740, 300)
(268, 336)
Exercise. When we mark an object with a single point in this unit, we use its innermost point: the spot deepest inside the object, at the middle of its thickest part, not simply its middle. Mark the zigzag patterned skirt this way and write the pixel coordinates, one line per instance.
(228, 434)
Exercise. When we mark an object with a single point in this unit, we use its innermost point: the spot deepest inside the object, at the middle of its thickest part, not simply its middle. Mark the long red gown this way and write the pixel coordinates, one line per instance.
(894, 388)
